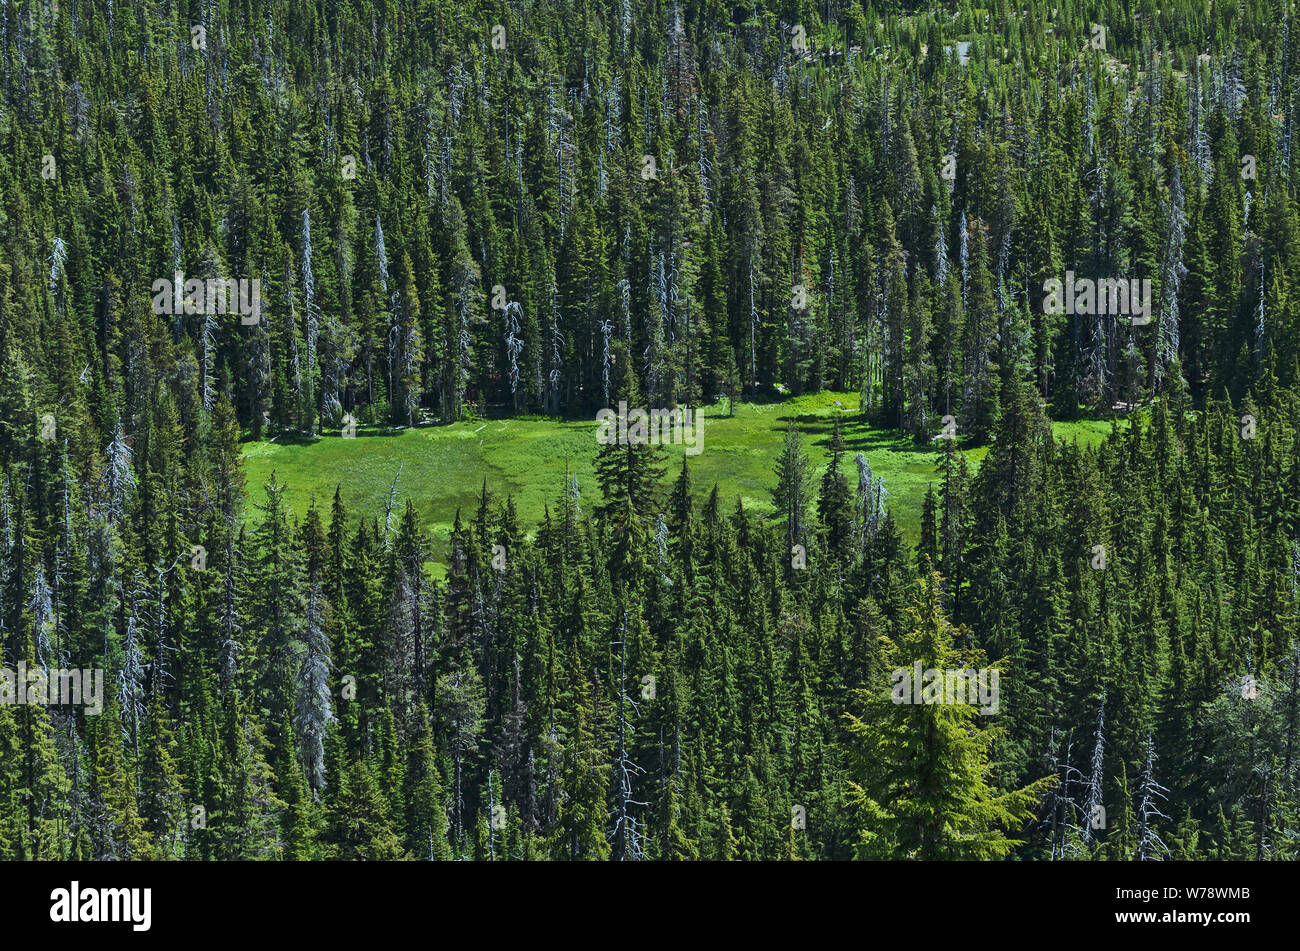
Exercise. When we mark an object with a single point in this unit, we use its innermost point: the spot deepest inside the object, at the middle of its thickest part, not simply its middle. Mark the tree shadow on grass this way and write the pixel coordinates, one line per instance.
(859, 434)
(281, 439)
(303, 439)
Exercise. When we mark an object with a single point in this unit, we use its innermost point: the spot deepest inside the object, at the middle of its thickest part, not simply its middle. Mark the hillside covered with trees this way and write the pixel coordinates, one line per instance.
(454, 210)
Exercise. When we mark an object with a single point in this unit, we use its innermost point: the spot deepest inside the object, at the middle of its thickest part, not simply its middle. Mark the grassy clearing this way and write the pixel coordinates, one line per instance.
(442, 468)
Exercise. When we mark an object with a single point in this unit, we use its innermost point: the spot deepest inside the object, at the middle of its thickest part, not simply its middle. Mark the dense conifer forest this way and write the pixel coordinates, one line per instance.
(226, 222)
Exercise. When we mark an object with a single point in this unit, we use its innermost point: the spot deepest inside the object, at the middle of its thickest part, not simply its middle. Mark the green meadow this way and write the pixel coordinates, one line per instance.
(443, 468)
